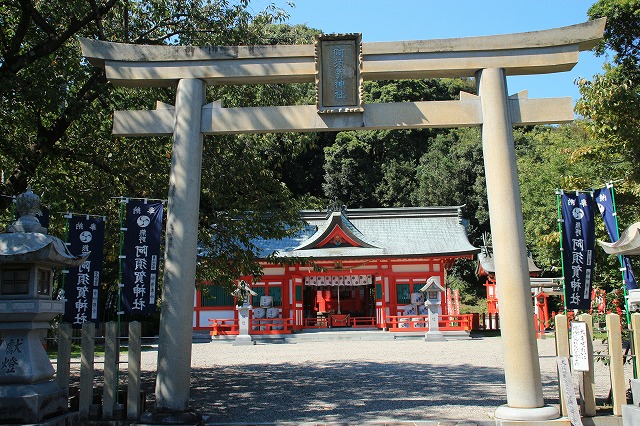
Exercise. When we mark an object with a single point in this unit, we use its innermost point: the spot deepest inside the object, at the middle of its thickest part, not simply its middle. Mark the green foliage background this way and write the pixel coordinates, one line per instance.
(55, 136)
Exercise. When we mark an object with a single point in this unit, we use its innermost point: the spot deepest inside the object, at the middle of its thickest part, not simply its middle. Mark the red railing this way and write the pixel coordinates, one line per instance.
(319, 322)
(421, 322)
(229, 327)
(326, 322)
(271, 326)
(224, 327)
(363, 322)
(455, 322)
(408, 322)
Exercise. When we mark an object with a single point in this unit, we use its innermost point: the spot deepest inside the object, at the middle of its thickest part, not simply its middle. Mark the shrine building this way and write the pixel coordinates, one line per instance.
(369, 266)
(486, 268)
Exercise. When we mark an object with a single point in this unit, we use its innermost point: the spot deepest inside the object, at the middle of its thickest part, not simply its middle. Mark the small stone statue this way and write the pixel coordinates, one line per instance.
(242, 292)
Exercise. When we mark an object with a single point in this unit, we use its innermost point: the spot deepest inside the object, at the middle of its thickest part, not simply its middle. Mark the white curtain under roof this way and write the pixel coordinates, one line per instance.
(338, 280)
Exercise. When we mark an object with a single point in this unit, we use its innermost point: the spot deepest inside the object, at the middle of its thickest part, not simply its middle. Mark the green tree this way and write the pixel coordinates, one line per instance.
(562, 157)
(452, 173)
(55, 120)
(54, 104)
(374, 168)
(610, 101)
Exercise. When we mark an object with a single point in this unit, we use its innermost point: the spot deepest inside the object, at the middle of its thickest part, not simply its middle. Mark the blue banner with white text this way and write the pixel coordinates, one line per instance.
(604, 200)
(141, 251)
(82, 284)
(578, 248)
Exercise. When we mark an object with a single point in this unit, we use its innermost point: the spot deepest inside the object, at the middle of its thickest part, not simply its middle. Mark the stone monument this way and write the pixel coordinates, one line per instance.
(433, 291)
(243, 294)
(27, 258)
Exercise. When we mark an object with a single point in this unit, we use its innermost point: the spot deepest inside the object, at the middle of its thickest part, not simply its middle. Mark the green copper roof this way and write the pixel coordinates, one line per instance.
(380, 232)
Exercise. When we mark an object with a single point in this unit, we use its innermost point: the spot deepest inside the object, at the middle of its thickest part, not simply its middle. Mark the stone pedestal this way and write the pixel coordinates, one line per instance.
(630, 415)
(631, 412)
(434, 333)
(27, 393)
(32, 403)
(243, 338)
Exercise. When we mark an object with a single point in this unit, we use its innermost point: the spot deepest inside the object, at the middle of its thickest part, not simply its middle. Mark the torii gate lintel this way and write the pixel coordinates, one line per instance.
(466, 112)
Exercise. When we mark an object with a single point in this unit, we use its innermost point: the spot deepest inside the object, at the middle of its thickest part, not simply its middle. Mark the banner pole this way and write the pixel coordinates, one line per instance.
(622, 270)
(564, 288)
(64, 271)
(123, 201)
(620, 258)
(120, 237)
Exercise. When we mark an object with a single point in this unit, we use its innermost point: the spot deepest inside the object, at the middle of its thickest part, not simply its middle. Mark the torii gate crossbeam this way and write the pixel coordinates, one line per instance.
(489, 59)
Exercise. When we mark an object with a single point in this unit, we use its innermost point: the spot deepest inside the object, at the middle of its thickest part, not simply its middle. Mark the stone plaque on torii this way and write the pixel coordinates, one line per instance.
(489, 59)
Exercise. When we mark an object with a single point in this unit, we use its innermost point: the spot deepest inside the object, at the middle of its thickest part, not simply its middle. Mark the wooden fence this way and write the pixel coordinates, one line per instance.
(614, 358)
(113, 404)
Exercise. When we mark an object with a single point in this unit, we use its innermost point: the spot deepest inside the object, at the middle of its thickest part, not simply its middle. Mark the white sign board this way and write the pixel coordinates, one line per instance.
(568, 391)
(579, 346)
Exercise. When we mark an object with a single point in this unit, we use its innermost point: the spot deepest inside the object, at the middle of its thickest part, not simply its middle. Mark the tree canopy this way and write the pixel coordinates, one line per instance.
(55, 132)
(610, 101)
(56, 109)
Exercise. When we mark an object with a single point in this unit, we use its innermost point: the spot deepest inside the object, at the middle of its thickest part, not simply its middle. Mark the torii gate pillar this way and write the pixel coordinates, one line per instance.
(178, 288)
(522, 368)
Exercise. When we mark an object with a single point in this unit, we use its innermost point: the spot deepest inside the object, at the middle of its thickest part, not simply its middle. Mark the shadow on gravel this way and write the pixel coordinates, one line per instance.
(344, 391)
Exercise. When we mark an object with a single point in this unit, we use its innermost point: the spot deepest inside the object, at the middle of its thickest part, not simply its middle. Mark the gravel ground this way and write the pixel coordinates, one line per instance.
(354, 381)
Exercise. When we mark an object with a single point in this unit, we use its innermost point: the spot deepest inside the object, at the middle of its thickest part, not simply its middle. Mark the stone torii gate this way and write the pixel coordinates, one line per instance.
(490, 59)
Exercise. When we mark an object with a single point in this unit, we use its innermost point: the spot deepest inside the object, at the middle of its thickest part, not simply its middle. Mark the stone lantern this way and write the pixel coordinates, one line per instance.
(243, 294)
(433, 296)
(27, 258)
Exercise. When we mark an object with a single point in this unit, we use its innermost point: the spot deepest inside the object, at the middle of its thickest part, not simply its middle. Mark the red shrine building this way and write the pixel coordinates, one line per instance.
(486, 268)
(371, 269)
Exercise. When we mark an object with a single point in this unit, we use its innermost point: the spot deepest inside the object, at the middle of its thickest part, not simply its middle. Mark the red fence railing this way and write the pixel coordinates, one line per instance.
(421, 322)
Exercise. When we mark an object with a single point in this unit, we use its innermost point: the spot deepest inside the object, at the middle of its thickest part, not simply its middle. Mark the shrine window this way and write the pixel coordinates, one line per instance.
(267, 289)
(404, 294)
(255, 300)
(216, 295)
(15, 281)
(44, 282)
(276, 293)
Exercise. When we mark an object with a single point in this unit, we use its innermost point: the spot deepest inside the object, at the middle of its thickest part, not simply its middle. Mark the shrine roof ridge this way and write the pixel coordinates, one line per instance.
(381, 212)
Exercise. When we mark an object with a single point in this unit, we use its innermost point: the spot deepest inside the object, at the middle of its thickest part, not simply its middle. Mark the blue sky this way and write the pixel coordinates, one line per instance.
(394, 20)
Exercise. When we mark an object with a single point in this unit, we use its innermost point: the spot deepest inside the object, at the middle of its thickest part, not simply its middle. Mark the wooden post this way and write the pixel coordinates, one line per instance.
(110, 369)
(133, 369)
(63, 364)
(86, 369)
(562, 350)
(587, 378)
(635, 330)
(614, 334)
